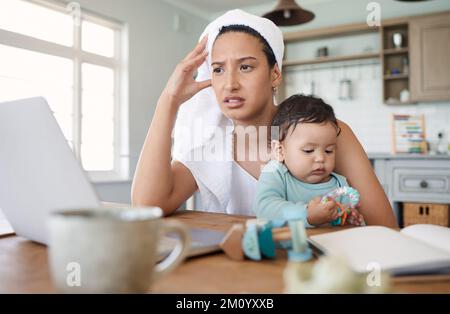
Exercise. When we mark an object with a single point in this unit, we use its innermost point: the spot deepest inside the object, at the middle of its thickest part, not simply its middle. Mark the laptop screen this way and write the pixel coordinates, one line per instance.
(39, 172)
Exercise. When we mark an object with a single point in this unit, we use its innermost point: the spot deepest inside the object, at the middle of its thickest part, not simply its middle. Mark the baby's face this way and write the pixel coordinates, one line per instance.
(309, 151)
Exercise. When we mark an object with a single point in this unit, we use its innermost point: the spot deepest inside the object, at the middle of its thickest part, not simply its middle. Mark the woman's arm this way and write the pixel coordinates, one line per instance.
(353, 163)
(158, 181)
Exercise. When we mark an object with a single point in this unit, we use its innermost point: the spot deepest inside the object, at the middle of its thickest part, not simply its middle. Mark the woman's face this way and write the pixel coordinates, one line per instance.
(241, 78)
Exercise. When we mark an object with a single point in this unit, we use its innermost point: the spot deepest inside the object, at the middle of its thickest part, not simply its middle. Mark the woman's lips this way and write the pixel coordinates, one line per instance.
(234, 102)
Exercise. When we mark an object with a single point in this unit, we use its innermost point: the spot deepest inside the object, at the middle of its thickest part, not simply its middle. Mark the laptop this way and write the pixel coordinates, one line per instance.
(40, 174)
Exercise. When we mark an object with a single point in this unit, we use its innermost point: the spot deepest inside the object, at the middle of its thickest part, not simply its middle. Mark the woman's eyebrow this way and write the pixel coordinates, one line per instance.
(246, 58)
(239, 60)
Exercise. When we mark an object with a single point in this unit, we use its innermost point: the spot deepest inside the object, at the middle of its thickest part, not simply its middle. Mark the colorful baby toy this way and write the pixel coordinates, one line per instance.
(347, 207)
(259, 238)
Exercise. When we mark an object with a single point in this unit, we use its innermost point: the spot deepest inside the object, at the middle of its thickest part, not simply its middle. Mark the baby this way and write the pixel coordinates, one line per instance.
(304, 149)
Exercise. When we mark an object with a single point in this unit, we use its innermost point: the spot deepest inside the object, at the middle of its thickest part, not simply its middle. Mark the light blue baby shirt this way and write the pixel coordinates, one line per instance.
(280, 196)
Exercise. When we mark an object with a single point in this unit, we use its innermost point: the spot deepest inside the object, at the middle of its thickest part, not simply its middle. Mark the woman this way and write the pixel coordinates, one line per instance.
(242, 63)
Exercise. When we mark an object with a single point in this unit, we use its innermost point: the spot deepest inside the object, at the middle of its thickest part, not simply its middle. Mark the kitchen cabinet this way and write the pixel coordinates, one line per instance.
(395, 61)
(430, 57)
(413, 179)
(423, 213)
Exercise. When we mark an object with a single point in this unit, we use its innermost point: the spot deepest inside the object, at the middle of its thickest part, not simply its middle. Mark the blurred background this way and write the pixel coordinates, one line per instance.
(102, 65)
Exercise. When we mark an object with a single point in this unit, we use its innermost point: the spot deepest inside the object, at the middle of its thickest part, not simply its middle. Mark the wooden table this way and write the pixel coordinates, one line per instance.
(24, 267)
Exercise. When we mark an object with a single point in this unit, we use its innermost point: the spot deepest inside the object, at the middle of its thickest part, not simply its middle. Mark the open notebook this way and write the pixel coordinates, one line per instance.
(417, 249)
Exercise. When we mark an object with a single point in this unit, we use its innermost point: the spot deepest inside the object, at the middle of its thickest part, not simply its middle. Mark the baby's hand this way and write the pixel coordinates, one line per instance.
(320, 213)
(355, 218)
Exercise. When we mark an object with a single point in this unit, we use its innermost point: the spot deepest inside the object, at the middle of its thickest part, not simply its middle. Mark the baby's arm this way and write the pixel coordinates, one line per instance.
(271, 203)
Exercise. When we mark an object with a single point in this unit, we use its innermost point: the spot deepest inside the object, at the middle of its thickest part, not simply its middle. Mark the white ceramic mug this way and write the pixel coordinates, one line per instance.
(111, 250)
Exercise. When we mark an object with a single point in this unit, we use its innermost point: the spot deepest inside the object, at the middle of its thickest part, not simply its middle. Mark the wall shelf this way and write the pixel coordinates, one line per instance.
(332, 59)
(396, 76)
(399, 103)
(348, 29)
(394, 51)
(395, 58)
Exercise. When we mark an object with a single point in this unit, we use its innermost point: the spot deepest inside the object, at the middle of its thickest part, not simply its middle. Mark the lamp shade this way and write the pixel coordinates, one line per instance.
(288, 13)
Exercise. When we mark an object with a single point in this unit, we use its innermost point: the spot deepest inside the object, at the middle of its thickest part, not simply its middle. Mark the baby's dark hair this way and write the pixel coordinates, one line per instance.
(301, 109)
(271, 59)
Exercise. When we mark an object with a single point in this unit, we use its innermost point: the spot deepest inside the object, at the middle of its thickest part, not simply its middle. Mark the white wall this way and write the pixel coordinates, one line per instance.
(154, 50)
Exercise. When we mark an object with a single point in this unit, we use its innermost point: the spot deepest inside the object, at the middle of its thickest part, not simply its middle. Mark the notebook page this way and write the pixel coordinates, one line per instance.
(362, 246)
(433, 235)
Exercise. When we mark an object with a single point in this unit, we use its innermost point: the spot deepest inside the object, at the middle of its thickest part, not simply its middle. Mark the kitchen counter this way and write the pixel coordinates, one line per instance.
(374, 156)
(413, 178)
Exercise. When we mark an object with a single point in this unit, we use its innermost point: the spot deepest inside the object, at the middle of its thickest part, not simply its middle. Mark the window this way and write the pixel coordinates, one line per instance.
(75, 59)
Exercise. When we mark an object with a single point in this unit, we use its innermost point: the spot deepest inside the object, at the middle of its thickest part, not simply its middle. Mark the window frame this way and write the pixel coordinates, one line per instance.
(118, 63)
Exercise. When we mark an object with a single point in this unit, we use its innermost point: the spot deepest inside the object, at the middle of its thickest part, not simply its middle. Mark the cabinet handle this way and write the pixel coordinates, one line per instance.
(423, 184)
(421, 210)
(427, 210)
